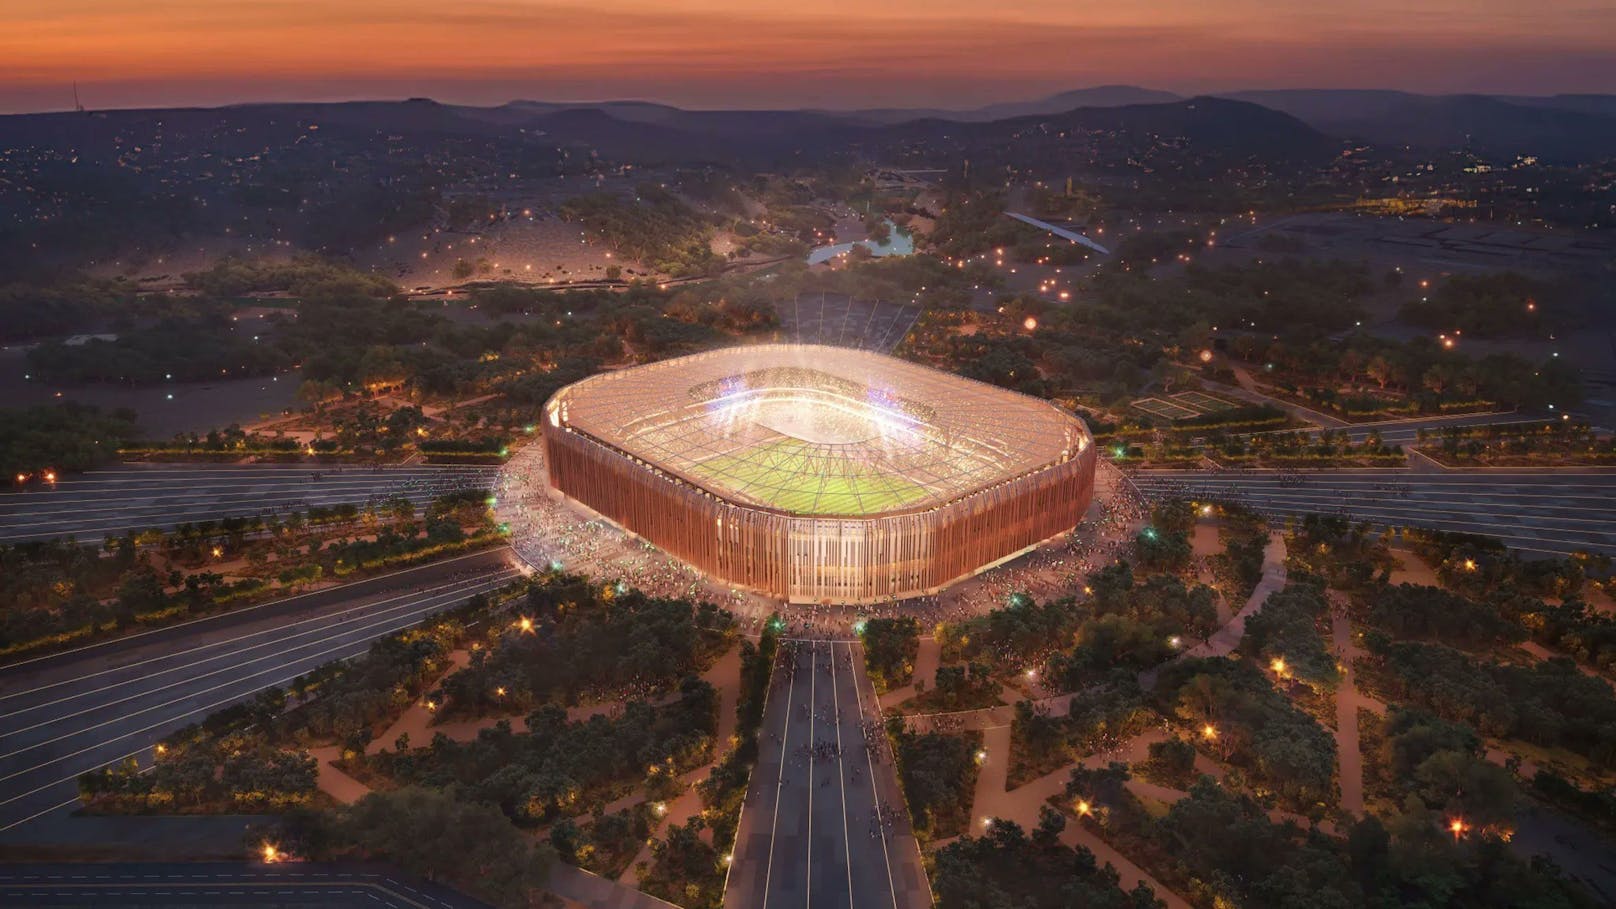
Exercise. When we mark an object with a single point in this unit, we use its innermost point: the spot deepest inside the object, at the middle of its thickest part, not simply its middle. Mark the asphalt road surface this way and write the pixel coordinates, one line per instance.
(1550, 512)
(139, 496)
(178, 884)
(1407, 432)
(823, 825)
(65, 714)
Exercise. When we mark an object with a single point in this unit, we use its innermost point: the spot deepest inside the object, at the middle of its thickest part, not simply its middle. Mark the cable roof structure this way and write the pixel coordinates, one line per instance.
(843, 321)
(817, 430)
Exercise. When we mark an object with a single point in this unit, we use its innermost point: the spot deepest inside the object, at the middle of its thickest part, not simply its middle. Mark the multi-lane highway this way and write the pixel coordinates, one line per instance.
(823, 824)
(139, 496)
(183, 885)
(1542, 511)
(64, 714)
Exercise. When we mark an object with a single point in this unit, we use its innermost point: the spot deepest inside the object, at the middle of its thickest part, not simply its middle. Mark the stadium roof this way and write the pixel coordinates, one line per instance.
(814, 430)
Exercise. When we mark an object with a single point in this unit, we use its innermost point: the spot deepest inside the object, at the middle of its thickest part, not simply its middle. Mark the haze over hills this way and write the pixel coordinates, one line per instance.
(1560, 127)
(1098, 96)
(1211, 130)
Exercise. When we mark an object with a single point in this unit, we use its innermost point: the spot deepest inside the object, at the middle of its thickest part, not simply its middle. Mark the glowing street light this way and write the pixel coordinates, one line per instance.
(1209, 732)
(1084, 809)
(525, 624)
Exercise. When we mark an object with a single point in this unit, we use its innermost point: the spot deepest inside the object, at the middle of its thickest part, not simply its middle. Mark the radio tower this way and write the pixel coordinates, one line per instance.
(76, 105)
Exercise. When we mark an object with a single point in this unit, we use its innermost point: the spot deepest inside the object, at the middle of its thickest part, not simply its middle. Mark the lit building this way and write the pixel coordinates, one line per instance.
(819, 474)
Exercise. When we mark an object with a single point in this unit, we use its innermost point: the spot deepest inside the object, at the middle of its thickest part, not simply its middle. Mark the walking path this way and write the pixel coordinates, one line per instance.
(1349, 753)
(1223, 641)
(1247, 390)
(1023, 804)
(927, 658)
(725, 675)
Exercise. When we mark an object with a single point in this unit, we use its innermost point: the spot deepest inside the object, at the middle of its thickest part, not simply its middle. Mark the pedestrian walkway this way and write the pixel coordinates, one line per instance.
(1224, 641)
(1349, 752)
(725, 675)
(1023, 804)
(332, 781)
(416, 720)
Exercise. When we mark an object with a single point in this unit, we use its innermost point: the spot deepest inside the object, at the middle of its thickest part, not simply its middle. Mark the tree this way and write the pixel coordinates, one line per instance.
(1380, 370)
(1437, 379)
(438, 836)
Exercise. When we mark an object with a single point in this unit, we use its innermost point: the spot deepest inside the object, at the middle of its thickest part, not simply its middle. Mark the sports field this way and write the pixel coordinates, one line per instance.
(802, 478)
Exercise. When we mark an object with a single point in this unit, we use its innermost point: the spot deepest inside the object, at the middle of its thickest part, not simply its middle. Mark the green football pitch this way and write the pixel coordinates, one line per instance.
(790, 475)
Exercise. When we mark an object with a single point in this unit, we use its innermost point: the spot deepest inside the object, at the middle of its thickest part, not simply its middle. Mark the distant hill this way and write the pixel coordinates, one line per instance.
(1098, 96)
(1604, 105)
(1195, 135)
(1556, 128)
(243, 128)
(1227, 126)
(1291, 124)
(1323, 108)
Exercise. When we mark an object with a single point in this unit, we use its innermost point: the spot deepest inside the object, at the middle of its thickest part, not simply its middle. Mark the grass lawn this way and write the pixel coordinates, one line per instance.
(794, 476)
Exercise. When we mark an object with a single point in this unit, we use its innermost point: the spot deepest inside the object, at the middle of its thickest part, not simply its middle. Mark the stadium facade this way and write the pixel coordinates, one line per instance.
(819, 474)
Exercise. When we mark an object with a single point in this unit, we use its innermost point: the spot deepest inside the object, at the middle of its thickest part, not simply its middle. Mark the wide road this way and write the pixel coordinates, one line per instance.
(68, 713)
(125, 497)
(1553, 512)
(1407, 432)
(823, 825)
(177, 884)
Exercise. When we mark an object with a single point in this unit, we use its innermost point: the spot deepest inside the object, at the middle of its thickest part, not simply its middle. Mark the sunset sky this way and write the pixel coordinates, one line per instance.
(825, 53)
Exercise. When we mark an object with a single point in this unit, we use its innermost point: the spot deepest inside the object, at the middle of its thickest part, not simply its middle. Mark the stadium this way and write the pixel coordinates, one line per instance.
(819, 474)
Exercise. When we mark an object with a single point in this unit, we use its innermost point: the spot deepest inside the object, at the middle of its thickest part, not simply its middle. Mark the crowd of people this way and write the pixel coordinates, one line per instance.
(549, 534)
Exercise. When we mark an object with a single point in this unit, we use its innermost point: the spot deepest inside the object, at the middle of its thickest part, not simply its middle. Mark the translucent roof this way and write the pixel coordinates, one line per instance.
(816, 430)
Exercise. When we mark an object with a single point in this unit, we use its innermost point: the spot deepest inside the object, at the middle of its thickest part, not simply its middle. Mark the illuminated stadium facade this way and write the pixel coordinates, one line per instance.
(819, 474)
